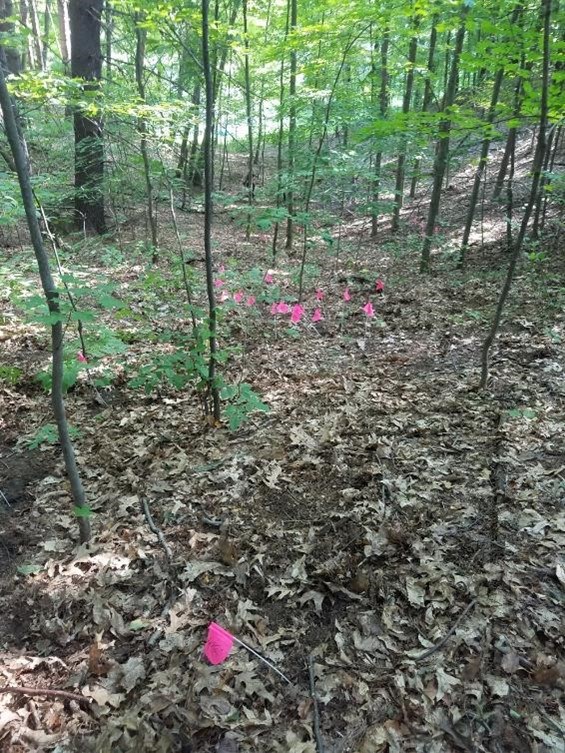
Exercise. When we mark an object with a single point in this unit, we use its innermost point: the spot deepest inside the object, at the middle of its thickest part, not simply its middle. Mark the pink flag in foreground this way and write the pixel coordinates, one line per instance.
(218, 644)
(379, 286)
(80, 357)
(346, 295)
(317, 316)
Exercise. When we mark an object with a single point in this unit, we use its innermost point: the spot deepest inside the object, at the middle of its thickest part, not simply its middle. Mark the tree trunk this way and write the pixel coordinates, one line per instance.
(64, 32)
(52, 298)
(108, 34)
(12, 57)
(280, 188)
(536, 177)
(250, 154)
(426, 99)
(36, 36)
(86, 63)
(208, 210)
(400, 168)
(141, 35)
(442, 147)
(383, 108)
(484, 152)
(293, 12)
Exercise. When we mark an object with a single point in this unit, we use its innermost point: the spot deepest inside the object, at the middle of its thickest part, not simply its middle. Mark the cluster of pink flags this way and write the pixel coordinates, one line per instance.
(296, 311)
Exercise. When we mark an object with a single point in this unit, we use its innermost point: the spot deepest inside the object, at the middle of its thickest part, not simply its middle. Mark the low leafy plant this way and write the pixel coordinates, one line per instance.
(47, 434)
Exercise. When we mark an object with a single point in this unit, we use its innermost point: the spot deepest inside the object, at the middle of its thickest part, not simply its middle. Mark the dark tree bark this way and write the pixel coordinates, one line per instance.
(141, 35)
(51, 293)
(426, 99)
(13, 61)
(442, 146)
(293, 15)
(86, 64)
(406, 100)
(208, 210)
(250, 178)
(383, 109)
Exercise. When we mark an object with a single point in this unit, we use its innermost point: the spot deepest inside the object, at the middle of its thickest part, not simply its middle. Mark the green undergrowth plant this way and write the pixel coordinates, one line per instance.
(47, 435)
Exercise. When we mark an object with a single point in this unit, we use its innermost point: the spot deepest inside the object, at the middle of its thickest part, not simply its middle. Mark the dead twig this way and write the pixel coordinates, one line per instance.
(154, 529)
(440, 644)
(315, 708)
(67, 695)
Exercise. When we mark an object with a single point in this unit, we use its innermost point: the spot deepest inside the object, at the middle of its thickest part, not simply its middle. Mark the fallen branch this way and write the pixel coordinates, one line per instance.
(154, 529)
(67, 695)
(315, 708)
(447, 636)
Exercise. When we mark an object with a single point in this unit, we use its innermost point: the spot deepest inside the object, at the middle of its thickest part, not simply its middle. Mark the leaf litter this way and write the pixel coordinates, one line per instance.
(384, 518)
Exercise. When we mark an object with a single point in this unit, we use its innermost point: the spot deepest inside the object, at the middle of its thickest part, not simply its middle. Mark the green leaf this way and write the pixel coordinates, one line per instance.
(139, 624)
(29, 569)
(82, 512)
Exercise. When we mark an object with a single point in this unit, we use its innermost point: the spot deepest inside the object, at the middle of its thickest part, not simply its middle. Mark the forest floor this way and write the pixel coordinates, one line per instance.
(385, 518)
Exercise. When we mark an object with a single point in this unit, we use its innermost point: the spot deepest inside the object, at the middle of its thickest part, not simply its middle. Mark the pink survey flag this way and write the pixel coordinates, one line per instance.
(317, 316)
(297, 312)
(218, 282)
(346, 295)
(238, 297)
(268, 278)
(283, 308)
(80, 357)
(218, 644)
(379, 285)
(320, 295)
(368, 309)
(250, 300)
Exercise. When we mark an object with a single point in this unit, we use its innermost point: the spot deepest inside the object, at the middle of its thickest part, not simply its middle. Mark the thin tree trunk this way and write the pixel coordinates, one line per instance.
(250, 153)
(64, 32)
(426, 101)
(536, 177)
(554, 153)
(315, 163)
(484, 152)
(51, 293)
(280, 138)
(510, 192)
(36, 36)
(217, 70)
(383, 109)
(442, 147)
(400, 168)
(293, 13)
(46, 32)
(208, 210)
(536, 228)
(511, 137)
(141, 36)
